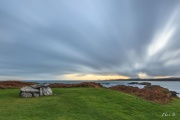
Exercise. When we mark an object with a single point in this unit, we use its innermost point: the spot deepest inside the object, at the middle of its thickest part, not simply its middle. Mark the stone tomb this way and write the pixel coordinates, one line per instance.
(35, 90)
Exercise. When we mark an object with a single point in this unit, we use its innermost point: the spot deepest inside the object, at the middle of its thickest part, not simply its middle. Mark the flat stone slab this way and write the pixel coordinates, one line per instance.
(29, 89)
(39, 85)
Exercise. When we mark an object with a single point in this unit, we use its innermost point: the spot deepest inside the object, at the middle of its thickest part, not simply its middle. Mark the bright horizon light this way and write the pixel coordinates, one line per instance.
(91, 77)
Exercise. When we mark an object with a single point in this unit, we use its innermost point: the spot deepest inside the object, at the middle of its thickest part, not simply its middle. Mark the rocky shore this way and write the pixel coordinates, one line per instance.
(153, 93)
(142, 83)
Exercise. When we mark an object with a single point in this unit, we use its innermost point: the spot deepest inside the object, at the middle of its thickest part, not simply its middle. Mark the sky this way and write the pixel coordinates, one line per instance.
(89, 39)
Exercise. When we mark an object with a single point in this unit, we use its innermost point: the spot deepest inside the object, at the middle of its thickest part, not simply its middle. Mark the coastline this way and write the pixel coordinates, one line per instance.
(150, 92)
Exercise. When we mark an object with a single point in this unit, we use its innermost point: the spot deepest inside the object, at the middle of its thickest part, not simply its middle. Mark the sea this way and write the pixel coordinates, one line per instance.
(171, 85)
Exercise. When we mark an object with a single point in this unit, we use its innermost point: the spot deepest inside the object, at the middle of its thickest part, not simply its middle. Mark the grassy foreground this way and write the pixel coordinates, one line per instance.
(84, 104)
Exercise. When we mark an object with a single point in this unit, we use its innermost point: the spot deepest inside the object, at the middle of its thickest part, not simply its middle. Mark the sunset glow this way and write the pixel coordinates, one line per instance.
(92, 77)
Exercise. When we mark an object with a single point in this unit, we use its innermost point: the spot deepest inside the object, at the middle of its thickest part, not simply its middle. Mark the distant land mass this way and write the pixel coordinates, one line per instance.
(149, 79)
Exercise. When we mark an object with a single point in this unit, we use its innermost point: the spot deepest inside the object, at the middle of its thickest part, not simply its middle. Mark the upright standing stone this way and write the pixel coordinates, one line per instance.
(46, 90)
(41, 92)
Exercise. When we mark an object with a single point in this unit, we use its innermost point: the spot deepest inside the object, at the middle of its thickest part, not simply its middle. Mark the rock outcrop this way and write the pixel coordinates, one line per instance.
(142, 83)
(35, 90)
(162, 90)
(153, 93)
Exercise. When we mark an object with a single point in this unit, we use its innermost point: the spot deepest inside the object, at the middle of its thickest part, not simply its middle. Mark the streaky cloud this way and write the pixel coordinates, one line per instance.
(126, 38)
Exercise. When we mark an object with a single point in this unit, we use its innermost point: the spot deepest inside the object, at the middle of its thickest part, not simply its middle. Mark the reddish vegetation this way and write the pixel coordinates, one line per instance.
(84, 84)
(14, 84)
(153, 93)
(157, 88)
(19, 84)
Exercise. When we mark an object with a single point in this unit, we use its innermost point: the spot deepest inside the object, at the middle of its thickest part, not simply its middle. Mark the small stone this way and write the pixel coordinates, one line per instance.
(41, 92)
(25, 94)
(35, 94)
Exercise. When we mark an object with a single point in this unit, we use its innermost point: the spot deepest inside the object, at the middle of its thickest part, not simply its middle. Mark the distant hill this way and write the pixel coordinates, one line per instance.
(150, 79)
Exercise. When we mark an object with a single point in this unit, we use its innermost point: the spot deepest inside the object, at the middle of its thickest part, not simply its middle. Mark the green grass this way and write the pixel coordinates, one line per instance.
(83, 104)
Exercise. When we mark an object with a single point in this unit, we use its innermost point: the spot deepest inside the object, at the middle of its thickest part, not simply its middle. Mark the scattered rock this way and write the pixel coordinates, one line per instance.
(145, 83)
(133, 83)
(106, 83)
(173, 93)
(35, 90)
(142, 83)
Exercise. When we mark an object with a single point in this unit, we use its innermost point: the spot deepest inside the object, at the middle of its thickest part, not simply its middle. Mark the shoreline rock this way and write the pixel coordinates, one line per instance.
(153, 93)
(141, 83)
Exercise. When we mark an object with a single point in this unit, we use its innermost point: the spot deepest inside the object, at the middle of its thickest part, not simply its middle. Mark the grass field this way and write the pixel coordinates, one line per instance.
(83, 104)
